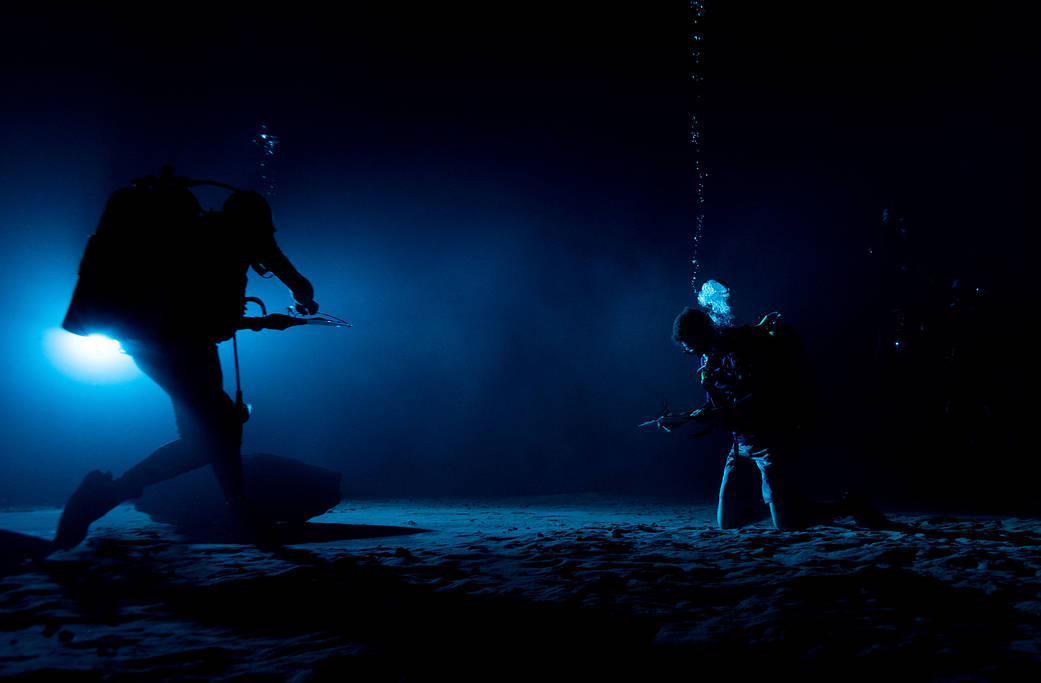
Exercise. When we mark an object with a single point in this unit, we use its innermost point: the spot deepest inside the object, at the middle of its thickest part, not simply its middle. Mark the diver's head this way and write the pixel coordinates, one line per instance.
(694, 331)
(249, 211)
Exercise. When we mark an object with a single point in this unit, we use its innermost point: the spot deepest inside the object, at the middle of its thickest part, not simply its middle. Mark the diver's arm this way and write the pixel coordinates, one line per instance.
(272, 258)
(703, 418)
(274, 321)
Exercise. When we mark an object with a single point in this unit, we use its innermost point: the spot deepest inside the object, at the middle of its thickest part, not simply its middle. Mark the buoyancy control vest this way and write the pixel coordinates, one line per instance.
(123, 285)
(762, 373)
(159, 267)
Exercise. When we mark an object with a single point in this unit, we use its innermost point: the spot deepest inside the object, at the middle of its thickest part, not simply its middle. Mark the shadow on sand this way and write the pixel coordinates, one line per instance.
(305, 532)
(23, 552)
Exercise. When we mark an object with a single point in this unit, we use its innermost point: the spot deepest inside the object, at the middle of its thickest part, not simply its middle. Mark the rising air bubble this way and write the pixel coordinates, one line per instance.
(697, 9)
(267, 144)
(714, 296)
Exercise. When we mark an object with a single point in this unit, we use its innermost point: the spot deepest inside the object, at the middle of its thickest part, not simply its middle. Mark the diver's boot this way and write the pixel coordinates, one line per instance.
(97, 494)
(864, 513)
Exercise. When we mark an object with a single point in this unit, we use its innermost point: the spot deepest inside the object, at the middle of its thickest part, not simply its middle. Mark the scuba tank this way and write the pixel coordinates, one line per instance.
(124, 290)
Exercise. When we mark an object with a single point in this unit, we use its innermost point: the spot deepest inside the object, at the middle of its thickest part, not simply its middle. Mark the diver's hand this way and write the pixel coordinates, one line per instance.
(700, 414)
(669, 421)
(702, 417)
(306, 307)
(303, 294)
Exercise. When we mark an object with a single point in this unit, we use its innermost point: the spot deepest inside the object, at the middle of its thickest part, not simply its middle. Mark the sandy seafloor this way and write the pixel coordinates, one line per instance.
(587, 587)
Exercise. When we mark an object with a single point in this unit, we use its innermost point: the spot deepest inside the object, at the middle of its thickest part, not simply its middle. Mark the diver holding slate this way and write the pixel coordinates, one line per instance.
(759, 387)
(168, 281)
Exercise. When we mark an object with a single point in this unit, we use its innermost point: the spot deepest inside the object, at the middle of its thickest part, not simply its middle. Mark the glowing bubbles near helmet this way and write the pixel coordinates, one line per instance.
(714, 296)
(95, 359)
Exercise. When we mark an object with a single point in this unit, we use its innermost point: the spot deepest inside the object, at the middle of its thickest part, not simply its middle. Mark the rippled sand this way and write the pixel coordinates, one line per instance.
(550, 588)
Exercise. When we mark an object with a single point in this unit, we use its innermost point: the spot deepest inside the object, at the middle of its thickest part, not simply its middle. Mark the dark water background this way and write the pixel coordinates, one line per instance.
(502, 202)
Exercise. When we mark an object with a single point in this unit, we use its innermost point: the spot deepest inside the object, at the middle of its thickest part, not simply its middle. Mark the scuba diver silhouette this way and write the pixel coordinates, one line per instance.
(760, 388)
(149, 232)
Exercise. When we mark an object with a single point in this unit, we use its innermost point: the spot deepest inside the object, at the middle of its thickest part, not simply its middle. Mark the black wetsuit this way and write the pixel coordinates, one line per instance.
(759, 382)
(203, 309)
(168, 281)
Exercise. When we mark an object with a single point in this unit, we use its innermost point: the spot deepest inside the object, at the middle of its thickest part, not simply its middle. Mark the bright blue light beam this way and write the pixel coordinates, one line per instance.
(95, 359)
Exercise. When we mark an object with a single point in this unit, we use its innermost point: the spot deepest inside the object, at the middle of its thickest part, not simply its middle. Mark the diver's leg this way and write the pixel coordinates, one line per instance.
(99, 492)
(855, 505)
(208, 420)
(210, 434)
(734, 509)
(225, 444)
(785, 518)
(792, 510)
(166, 462)
(789, 508)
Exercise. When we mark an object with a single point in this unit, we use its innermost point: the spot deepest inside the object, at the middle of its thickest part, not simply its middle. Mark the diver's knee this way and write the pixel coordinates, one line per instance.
(785, 519)
(723, 523)
(728, 519)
